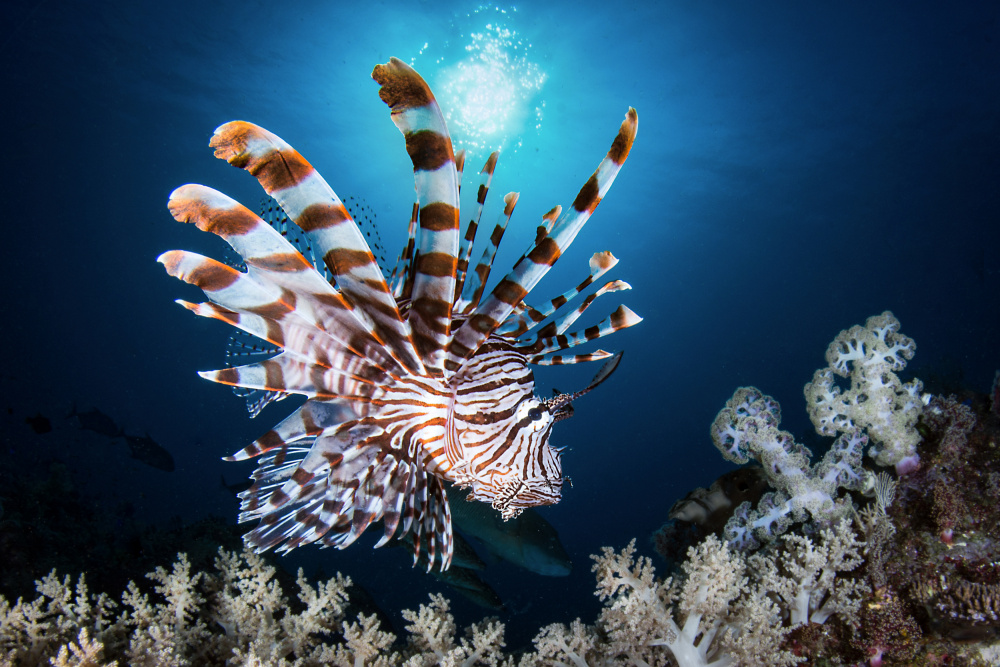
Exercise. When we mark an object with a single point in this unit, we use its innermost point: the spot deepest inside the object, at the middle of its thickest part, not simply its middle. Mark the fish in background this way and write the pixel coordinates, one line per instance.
(98, 422)
(527, 541)
(146, 450)
(39, 423)
(142, 448)
(469, 585)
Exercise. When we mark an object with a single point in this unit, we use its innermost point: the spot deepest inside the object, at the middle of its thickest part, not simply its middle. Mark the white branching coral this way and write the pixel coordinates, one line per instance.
(365, 643)
(877, 400)
(722, 610)
(432, 638)
(235, 615)
(702, 619)
(31, 632)
(747, 428)
(557, 644)
(808, 576)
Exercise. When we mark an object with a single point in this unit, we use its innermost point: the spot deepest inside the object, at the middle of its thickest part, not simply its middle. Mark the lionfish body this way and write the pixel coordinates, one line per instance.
(413, 383)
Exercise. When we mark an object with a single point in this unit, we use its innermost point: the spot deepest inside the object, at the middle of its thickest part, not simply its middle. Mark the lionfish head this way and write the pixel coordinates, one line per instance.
(524, 470)
(527, 470)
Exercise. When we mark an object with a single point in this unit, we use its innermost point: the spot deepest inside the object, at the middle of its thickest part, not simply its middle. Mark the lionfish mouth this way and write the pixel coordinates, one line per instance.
(559, 405)
(515, 496)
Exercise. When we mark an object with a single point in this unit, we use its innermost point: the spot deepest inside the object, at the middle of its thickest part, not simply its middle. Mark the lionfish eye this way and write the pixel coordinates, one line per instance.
(535, 413)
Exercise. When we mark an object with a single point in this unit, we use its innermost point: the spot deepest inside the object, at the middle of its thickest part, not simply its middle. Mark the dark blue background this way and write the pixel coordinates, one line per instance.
(798, 168)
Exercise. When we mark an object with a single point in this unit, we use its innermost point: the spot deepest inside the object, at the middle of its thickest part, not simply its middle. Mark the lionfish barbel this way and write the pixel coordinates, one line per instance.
(412, 382)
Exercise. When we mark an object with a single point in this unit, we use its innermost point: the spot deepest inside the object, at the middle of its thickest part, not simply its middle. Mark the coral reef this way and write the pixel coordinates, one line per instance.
(747, 428)
(236, 615)
(912, 578)
(877, 400)
(724, 608)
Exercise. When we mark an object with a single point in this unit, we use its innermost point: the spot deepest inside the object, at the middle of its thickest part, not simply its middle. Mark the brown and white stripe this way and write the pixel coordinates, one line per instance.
(469, 239)
(526, 273)
(398, 403)
(472, 290)
(435, 263)
(313, 205)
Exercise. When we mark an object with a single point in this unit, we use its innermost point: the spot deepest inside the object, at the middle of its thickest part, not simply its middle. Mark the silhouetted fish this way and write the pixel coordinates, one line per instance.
(98, 422)
(528, 540)
(39, 423)
(468, 584)
(147, 451)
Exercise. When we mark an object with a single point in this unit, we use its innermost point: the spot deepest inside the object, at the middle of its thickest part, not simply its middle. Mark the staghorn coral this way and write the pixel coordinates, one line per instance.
(877, 400)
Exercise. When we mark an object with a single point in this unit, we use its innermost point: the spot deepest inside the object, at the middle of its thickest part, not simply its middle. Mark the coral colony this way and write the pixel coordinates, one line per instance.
(836, 564)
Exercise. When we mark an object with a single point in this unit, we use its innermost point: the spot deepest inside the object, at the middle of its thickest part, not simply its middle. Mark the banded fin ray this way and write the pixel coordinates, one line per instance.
(515, 286)
(259, 299)
(622, 318)
(469, 239)
(418, 117)
(472, 290)
(313, 205)
(564, 360)
(526, 321)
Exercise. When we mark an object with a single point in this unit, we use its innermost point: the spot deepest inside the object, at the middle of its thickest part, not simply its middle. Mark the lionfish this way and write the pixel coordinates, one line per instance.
(413, 382)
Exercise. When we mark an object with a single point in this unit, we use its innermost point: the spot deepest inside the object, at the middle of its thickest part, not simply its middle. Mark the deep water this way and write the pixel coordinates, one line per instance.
(798, 168)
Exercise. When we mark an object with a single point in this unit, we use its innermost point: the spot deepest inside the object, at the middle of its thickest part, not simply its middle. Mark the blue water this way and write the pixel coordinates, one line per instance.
(798, 168)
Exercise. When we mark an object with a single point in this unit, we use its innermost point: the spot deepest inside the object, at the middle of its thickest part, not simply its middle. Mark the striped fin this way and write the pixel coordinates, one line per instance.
(320, 336)
(434, 525)
(295, 491)
(566, 321)
(307, 337)
(310, 202)
(465, 249)
(393, 500)
(472, 290)
(600, 263)
(459, 168)
(560, 325)
(285, 280)
(564, 359)
(417, 115)
(622, 318)
(287, 373)
(526, 273)
(309, 420)
(402, 283)
(544, 229)
(551, 217)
